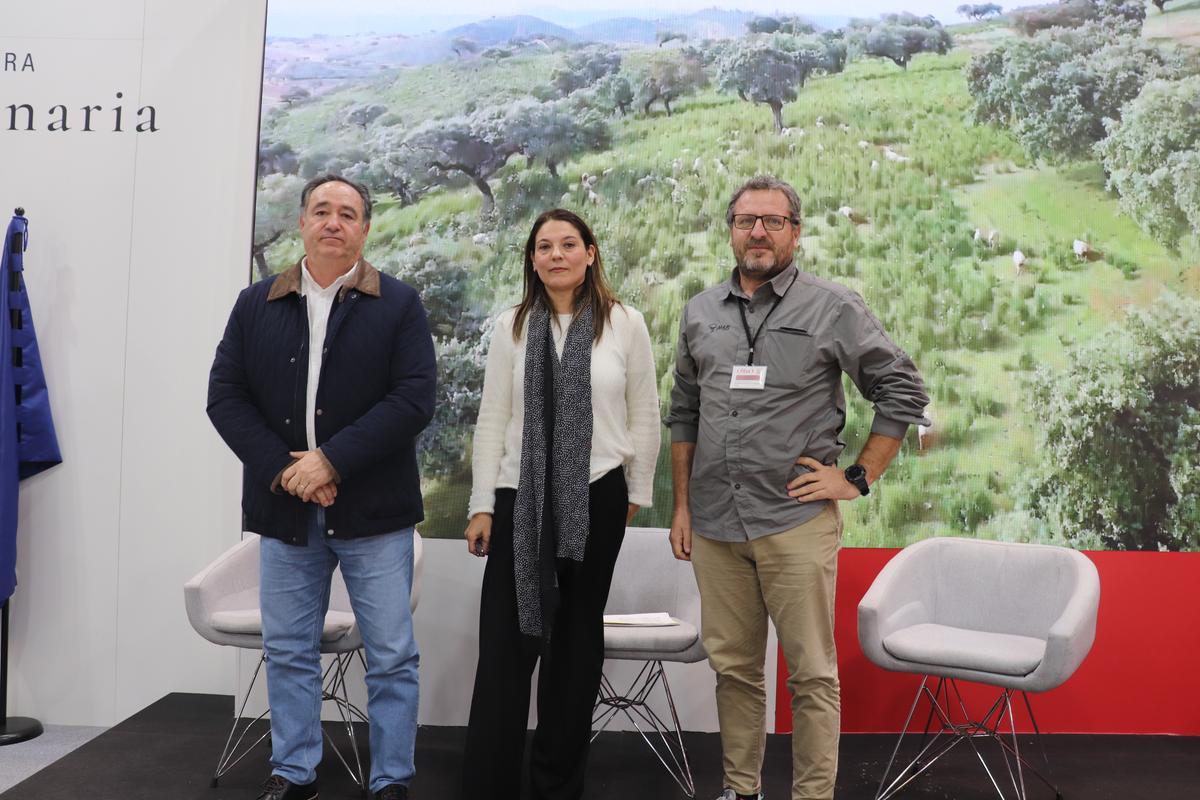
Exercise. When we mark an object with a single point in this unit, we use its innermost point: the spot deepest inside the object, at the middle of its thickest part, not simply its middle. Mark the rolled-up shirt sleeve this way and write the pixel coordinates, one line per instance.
(883, 373)
(684, 416)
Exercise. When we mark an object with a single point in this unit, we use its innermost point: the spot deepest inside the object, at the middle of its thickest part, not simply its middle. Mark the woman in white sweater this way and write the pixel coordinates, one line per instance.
(564, 455)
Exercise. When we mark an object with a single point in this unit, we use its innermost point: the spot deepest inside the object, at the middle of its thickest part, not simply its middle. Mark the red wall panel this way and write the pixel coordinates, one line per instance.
(1142, 676)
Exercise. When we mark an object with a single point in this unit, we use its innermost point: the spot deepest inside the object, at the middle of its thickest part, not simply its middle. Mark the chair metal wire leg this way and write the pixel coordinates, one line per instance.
(1048, 778)
(333, 688)
(907, 721)
(337, 691)
(947, 737)
(970, 729)
(668, 745)
(231, 755)
(989, 726)
(608, 700)
(1019, 783)
(1025, 762)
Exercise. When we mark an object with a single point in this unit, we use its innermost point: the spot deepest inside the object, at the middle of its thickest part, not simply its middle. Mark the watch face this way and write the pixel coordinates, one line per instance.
(856, 474)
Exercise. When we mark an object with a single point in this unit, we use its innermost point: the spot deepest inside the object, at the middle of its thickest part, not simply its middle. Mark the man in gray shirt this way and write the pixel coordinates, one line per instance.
(756, 414)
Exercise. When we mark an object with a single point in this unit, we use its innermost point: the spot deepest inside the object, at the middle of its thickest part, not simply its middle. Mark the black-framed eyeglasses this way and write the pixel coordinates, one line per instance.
(772, 222)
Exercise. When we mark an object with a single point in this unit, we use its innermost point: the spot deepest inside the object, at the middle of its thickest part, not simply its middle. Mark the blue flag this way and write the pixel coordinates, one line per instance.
(27, 441)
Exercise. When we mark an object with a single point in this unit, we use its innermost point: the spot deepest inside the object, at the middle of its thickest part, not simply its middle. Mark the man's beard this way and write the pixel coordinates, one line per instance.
(762, 271)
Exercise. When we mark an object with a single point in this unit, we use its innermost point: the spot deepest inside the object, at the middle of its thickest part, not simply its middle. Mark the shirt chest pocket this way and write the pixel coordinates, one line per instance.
(791, 356)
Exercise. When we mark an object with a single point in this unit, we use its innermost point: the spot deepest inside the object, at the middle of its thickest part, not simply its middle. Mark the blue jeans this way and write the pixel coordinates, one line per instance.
(294, 594)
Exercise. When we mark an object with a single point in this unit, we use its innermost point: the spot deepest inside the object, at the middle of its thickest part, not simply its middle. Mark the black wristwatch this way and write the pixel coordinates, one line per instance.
(857, 475)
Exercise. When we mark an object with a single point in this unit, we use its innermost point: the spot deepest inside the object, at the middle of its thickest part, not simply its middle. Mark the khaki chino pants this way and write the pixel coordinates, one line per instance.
(790, 577)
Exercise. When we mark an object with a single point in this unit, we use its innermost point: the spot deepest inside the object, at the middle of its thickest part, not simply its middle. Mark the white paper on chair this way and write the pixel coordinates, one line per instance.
(659, 619)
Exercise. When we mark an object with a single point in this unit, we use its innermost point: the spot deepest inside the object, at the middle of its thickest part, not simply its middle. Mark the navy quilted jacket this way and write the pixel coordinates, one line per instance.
(375, 395)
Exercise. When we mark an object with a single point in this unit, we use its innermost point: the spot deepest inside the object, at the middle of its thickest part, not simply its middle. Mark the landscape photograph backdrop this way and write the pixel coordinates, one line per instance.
(1015, 191)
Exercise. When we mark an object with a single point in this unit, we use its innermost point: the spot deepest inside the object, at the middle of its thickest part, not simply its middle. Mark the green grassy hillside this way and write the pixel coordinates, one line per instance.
(976, 329)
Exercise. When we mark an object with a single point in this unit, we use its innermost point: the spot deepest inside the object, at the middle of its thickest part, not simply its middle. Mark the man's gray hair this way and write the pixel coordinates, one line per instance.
(766, 183)
(320, 180)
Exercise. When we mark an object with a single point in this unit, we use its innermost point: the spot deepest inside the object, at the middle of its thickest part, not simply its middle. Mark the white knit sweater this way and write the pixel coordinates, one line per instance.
(626, 428)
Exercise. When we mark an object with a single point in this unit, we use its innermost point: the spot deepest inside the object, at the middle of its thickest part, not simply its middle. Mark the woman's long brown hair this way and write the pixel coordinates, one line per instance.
(594, 290)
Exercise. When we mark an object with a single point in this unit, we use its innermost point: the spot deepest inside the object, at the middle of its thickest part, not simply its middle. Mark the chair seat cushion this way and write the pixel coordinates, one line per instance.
(959, 648)
(249, 621)
(650, 639)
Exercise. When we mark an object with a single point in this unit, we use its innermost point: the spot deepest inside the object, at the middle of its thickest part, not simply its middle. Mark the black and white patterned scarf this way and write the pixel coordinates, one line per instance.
(550, 518)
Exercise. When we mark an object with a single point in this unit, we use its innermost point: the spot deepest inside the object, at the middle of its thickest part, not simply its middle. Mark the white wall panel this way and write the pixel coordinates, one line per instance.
(138, 246)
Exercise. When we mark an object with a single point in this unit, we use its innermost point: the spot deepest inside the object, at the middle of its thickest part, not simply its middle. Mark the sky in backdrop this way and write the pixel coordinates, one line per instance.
(307, 17)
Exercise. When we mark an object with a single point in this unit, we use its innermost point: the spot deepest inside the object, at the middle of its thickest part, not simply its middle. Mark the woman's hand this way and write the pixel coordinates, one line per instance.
(633, 509)
(479, 534)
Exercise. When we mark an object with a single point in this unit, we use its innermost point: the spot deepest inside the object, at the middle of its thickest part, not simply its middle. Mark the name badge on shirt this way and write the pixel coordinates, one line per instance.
(748, 377)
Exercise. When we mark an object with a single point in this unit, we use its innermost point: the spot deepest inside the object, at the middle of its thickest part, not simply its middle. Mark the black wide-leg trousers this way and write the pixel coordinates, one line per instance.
(571, 667)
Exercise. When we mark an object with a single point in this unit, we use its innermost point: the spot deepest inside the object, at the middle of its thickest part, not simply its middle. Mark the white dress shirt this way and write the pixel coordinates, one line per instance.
(320, 302)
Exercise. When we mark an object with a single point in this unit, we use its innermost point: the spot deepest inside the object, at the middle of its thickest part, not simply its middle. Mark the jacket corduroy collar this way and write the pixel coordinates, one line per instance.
(365, 280)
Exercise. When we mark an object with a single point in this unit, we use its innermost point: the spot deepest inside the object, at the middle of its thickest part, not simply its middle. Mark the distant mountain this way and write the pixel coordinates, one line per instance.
(723, 19)
(327, 59)
(735, 21)
(333, 58)
(712, 23)
(827, 22)
(499, 30)
(622, 30)
(340, 57)
(709, 23)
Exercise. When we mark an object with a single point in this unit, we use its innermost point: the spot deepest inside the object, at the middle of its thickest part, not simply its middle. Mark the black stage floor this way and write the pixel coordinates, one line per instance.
(169, 749)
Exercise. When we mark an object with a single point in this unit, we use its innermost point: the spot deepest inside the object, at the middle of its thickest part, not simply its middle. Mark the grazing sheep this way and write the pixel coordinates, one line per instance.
(852, 215)
(820, 122)
(1018, 259)
(844, 128)
(1082, 249)
(874, 164)
(993, 238)
(785, 132)
(697, 164)
(863, 144)
(719, 164)
(593, 198)
(892, 155)
(978, 237)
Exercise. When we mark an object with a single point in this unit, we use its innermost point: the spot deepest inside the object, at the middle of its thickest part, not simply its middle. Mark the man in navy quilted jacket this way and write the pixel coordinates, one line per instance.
(321, 384)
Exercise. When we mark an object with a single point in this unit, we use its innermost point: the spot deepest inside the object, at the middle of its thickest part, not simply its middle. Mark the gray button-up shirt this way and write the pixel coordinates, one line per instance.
(747, 441)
